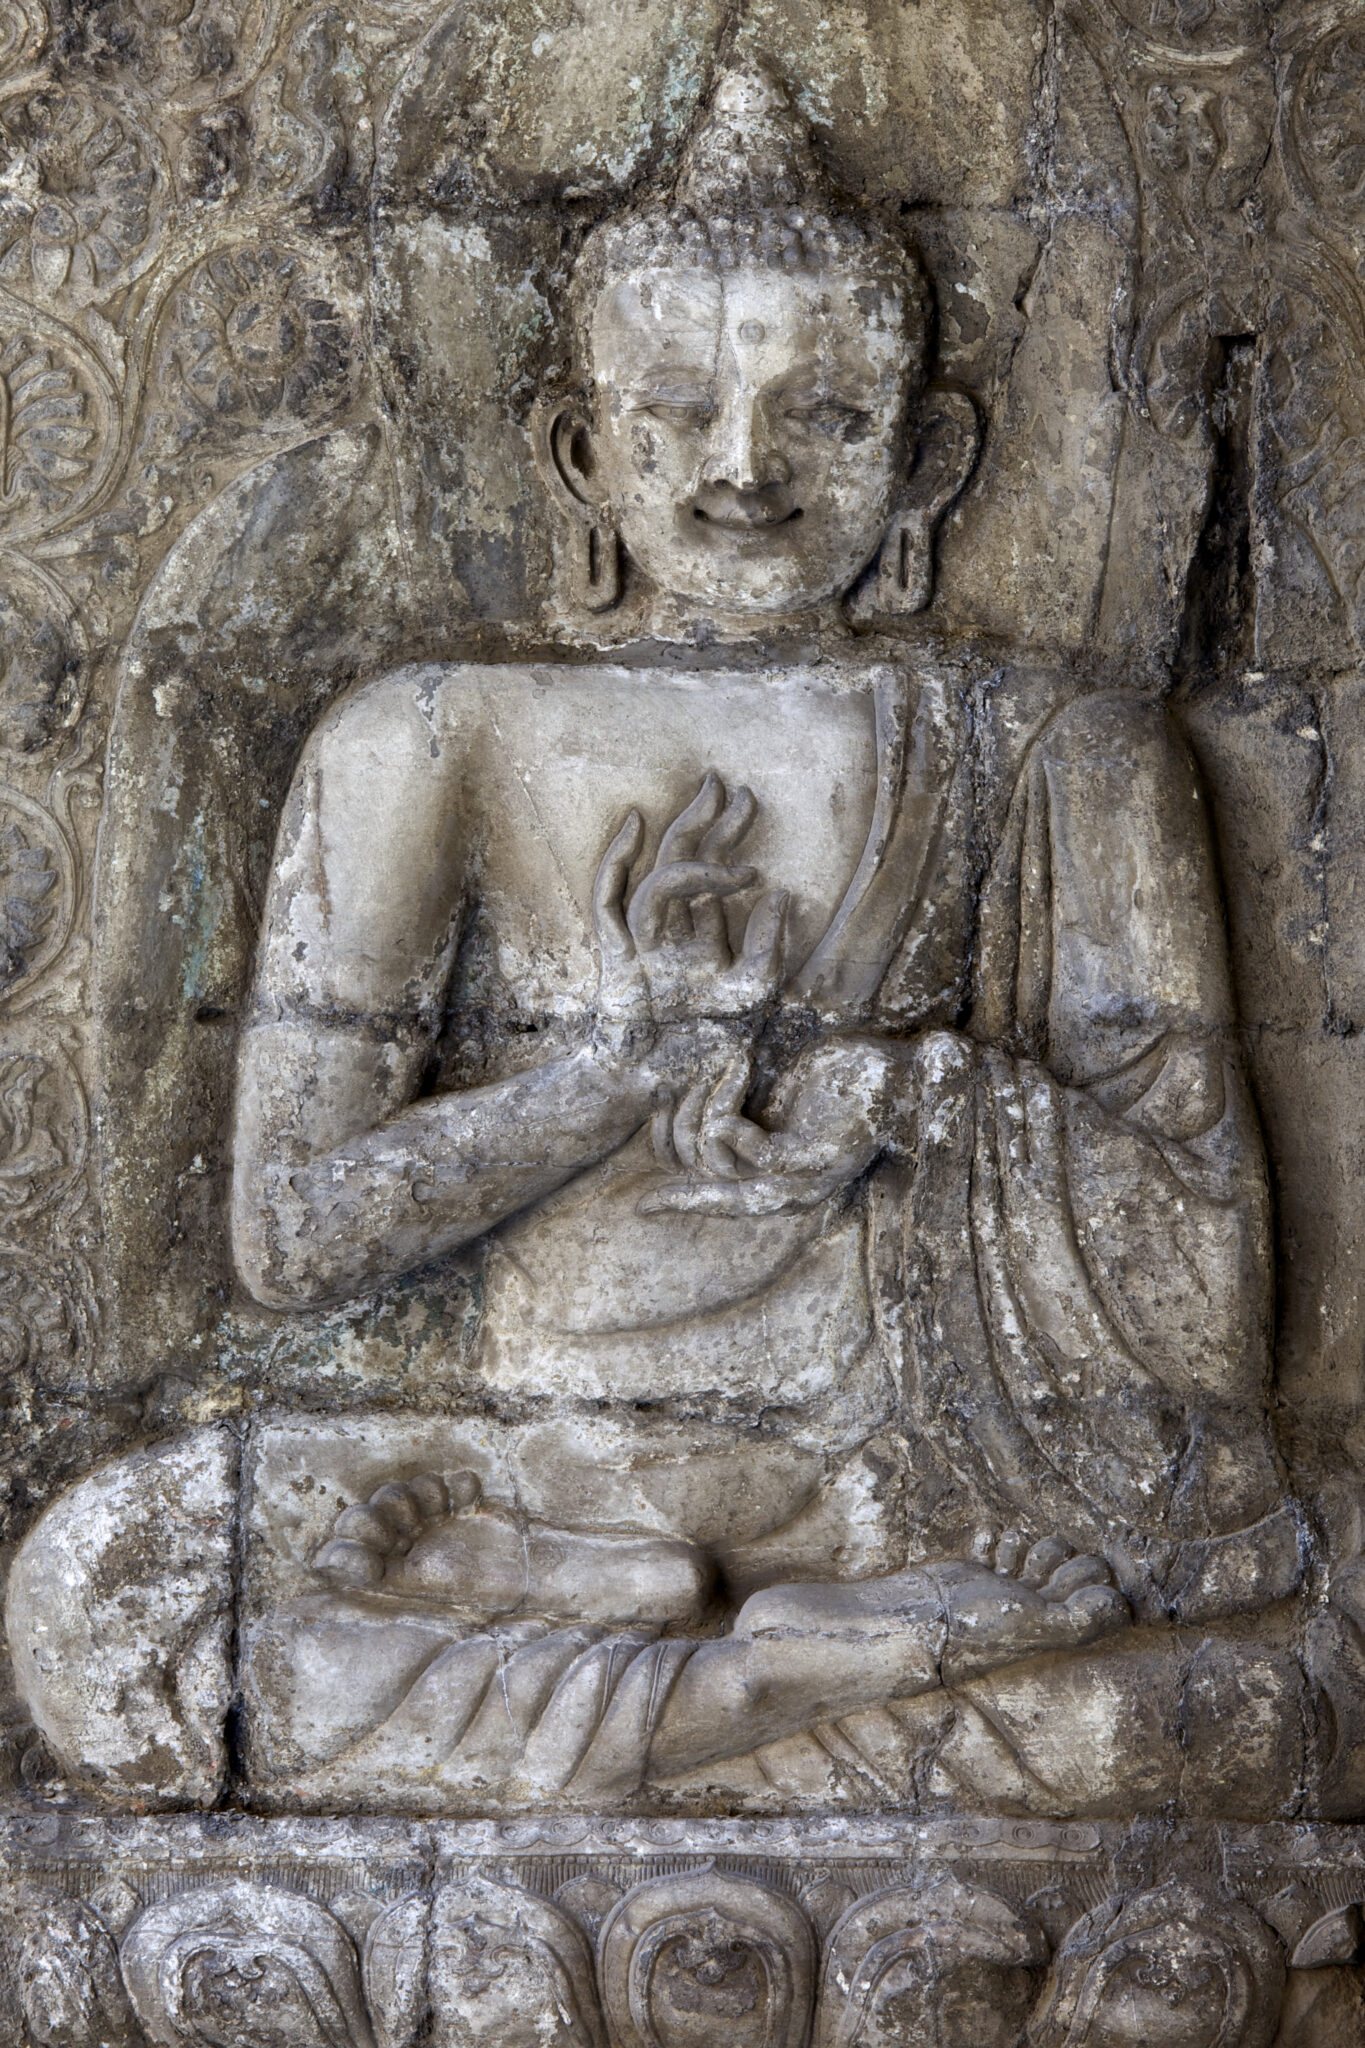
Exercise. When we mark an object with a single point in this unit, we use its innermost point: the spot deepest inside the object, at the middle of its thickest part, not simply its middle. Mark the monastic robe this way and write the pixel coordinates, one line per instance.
(1055, 1314)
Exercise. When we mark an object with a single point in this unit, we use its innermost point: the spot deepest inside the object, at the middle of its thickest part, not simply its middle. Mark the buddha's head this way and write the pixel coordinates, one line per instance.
(752, 356)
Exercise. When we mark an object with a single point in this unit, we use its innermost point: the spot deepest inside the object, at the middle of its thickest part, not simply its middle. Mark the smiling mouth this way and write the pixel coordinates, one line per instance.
(750, 523)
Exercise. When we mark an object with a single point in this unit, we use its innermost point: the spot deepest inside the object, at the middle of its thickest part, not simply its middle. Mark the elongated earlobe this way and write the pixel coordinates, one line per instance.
(562, 437)
(949, 442)
(905, 567)
(595, 573)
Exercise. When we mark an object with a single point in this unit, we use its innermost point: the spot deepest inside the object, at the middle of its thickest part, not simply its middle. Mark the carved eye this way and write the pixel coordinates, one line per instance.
(681, 412)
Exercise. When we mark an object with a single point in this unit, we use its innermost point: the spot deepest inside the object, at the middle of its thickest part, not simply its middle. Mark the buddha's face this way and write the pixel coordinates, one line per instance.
(751, 429)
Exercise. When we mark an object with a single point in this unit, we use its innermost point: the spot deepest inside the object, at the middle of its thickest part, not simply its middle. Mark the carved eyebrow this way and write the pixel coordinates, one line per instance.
(671, 372)
(821, 394)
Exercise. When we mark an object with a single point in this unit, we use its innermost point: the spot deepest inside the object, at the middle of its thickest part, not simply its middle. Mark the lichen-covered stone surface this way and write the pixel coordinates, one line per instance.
(682, 937)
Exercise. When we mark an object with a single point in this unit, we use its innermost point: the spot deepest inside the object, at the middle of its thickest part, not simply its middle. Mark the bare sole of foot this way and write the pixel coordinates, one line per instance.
(433, 1542)
(1013, 1602)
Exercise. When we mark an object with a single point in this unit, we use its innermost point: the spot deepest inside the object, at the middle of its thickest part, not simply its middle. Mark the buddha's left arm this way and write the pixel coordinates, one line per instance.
(1119, 1206)
(1117, 956)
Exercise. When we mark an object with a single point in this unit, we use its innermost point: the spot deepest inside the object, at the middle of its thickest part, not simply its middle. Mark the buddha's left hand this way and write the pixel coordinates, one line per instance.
(840, 1107)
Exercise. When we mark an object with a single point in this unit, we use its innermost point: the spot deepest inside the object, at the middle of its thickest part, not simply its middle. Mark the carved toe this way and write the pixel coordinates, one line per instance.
(464, 1490)
(1095, 1611)
(399, 1506)
(348, 1563)
(1077, 1572)
(1043, 1560)
(432, 1495)
(364, 1525)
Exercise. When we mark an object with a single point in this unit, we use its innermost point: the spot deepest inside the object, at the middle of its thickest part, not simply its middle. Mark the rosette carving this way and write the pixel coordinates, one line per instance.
(256, 341)
(87, 215)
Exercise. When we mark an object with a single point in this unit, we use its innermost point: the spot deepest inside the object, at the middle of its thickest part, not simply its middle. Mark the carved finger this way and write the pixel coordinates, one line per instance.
(1009, 1551)
(678, 883)
(769, 1194)
(708, 917)
(687, 1127)
(716, 1156)
(721, 1114)
(680, 842)
(741, 808)
(682, 838)
(661, 1137)
(983, 1545)
(765, 939)
(609, 889)
(748, 1141)
(727, 1097)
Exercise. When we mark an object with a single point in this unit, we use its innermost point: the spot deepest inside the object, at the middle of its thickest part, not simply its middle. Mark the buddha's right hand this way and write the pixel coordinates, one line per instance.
(666, 958)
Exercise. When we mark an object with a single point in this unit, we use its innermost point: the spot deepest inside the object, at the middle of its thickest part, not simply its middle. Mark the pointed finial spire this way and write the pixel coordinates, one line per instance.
(752, 153)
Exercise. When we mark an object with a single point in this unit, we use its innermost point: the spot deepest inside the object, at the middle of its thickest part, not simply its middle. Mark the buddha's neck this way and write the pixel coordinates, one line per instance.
(662, 616)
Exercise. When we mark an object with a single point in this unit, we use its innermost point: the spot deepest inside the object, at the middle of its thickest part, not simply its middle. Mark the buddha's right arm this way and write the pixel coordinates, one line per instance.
(318, 1219)
(345, 1176)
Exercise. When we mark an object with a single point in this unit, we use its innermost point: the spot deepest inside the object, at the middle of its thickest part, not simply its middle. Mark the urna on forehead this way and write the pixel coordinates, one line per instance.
(765, 321)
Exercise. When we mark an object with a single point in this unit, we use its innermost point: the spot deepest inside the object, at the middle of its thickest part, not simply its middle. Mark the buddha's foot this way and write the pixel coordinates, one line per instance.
(1015, 1602)
(431, 1541)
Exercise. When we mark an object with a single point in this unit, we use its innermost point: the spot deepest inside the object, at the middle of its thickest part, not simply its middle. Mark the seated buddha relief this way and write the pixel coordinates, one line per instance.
(828, 1059)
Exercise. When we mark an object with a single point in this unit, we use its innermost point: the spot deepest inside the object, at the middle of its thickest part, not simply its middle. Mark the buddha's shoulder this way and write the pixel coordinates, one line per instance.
(439, 691)
(423, 712)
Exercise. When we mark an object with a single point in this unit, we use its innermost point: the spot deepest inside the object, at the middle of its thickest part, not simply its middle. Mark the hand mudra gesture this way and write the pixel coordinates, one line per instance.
(665, 945)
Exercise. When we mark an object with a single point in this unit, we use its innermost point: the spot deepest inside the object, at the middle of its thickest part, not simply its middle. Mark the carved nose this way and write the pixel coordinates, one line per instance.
(745, 457)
